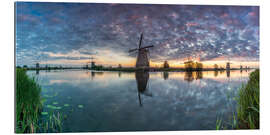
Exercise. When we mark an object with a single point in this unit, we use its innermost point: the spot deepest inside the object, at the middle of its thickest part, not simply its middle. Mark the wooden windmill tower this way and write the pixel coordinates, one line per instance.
(142, 57)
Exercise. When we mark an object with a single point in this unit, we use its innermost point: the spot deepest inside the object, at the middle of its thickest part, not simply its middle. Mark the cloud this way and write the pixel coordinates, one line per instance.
(176, 31)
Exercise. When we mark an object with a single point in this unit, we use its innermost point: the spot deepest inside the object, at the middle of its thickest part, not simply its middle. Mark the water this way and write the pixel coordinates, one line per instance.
(155, 101)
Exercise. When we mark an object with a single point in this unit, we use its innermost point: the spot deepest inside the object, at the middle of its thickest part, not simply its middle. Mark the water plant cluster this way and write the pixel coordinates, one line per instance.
(29, 105)
(247, 115)
(248, 103)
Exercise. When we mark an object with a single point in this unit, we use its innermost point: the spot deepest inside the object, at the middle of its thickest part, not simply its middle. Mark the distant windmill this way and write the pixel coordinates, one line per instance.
(92, 62)
(142, 57)
(228, 64)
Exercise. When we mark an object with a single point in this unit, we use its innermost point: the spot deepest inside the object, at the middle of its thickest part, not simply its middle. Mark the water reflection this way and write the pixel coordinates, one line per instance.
(37, 72)
(119, 74)
(215, 73)
(228, 73)
(142, 79)
(165, 75)
(190, 76)
(161, 100)
(93, 74)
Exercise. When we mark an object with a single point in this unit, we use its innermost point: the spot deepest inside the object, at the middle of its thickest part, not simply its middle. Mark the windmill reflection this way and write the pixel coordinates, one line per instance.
(190, 76)
(228, 73)
(94, 74)
(142, 79)
(37, 72)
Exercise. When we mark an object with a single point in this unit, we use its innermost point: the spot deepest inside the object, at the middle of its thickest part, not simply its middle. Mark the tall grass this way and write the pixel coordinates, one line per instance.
(29, 107)
(248, 109)
(248, 103)
(28, 103)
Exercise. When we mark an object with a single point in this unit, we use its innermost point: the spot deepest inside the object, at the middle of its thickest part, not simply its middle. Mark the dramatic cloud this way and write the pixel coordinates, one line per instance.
(44, 30)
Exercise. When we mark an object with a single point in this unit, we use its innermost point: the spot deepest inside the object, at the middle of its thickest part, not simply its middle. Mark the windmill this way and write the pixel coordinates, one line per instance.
(228, 65)
(91, 61)
(142, 57)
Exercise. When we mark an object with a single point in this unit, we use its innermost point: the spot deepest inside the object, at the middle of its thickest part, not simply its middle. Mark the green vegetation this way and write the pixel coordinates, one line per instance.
(80, 106)
(29, 107)
(28, 103)
(248, 103)
(248, 108)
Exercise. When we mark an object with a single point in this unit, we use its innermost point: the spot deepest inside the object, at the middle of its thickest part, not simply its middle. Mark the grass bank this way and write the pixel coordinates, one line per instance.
(29, 107)
(28, 103)
(248, 108)
(248, 103)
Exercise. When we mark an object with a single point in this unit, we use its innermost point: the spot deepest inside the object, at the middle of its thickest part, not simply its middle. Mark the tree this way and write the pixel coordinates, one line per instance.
(216, 66)
(166, 64)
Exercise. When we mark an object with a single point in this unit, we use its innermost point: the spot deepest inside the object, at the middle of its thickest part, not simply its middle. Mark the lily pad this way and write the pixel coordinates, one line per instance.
(54, 107)
(80, 106)
(58, 107)
(66, 105)
(69, 97)
(50, 106)
(44, 113)
(55, 103)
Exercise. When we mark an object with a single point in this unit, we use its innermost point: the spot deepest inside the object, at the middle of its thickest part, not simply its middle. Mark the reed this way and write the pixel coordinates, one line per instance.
(29, 107)
(28, 103)
(248, 103)
(248, 109)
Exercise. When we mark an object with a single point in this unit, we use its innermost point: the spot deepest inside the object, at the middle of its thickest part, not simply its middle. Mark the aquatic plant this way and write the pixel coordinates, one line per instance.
(29, 107)
(52, 123)
(248, 103)
(80, 106)
(28, 102)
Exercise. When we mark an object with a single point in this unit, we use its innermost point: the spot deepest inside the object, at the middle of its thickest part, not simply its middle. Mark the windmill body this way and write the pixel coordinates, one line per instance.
(142, 57)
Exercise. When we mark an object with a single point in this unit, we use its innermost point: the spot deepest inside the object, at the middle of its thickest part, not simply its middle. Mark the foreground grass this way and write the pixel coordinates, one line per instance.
(248, 109)
(29, 107)
(28, 103)
(248, 103)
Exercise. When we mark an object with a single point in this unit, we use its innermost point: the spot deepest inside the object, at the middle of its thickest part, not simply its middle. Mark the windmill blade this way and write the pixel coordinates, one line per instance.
(147, 47)
(132, 50)
(140, 44)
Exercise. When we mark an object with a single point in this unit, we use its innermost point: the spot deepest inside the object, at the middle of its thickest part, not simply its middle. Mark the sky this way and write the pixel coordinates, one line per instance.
(70, 33)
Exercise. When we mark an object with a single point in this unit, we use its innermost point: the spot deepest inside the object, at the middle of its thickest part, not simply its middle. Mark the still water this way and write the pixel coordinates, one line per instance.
(142, 101)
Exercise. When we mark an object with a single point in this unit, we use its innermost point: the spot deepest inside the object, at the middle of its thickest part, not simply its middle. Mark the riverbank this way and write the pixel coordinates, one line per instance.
(248, 109)
(28, 103)
(132, 69)
(29, 107)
